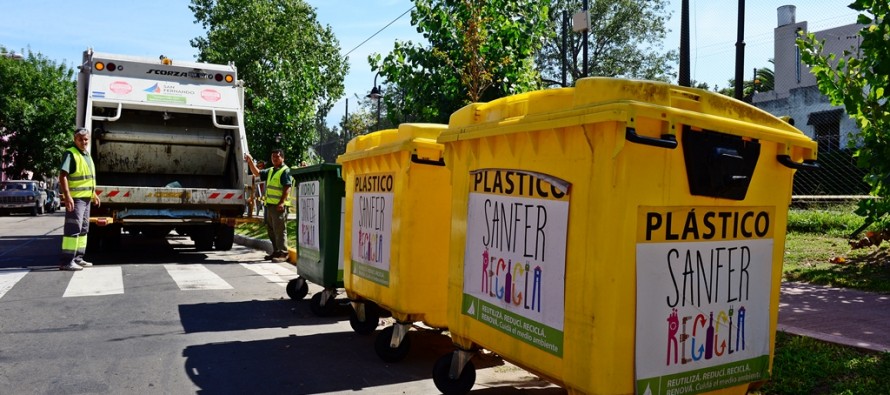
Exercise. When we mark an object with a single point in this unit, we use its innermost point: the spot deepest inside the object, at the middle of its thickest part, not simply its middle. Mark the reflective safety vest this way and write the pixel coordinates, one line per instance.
(274, 189)
(81, 183)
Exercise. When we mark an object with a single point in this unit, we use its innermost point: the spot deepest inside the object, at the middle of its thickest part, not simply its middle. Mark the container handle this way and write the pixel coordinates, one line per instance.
(668, 141)
(808, 164)
(440, 162)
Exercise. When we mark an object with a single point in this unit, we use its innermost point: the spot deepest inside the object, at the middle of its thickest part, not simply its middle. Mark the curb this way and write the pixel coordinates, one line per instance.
(265, 246)
(829, 338)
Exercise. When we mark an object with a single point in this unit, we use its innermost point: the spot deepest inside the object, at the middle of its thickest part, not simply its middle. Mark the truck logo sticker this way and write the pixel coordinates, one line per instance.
(153, 89)
(703, 288)
(120, 87)
(210, 95)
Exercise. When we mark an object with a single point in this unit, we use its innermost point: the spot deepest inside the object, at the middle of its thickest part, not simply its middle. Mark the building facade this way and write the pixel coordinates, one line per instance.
(795, 92)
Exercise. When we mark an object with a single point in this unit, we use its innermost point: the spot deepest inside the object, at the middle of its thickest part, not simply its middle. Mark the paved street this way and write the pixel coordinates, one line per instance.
(160, 317)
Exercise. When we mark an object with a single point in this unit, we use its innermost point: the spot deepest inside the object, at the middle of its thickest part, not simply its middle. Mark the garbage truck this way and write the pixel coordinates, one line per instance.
(168, 143)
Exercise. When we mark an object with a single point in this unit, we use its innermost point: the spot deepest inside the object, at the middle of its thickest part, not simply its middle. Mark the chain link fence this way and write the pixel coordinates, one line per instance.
(838, 178)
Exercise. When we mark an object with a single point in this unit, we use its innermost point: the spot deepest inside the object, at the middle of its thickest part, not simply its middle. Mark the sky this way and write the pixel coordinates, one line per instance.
(62, 29)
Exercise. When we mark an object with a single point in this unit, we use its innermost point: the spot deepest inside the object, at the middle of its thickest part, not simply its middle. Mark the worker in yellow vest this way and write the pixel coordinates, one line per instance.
(278, 183)
(77, 184)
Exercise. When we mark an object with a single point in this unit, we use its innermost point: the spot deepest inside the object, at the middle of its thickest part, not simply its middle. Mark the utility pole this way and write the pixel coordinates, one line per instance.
(740, 52)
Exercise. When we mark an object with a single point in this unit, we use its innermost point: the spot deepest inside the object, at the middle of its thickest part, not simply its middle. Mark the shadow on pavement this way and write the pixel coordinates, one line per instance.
(253, 314)
(340, 361)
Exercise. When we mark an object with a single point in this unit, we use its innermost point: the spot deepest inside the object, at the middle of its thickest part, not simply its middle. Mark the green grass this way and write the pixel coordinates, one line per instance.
(818, 251)
(258, 231)
(832, 220)
(807, 366)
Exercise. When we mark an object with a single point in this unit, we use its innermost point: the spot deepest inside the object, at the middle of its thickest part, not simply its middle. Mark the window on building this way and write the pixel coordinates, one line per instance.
(827, 127)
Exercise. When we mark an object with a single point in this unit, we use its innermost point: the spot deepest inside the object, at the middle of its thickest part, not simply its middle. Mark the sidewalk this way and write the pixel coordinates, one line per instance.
(837, 315)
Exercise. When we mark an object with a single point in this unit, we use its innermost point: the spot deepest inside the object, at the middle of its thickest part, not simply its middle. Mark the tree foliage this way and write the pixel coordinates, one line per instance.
(360, 119)
(764, 81)
(624, 41)
(290, 64)
(858, 82)
(37, 108)
(477, 51)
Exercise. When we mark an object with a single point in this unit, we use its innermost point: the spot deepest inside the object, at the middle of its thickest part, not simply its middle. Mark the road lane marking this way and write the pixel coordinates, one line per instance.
(195, 277)
(94, 281)
(8, 279)
(273, 272)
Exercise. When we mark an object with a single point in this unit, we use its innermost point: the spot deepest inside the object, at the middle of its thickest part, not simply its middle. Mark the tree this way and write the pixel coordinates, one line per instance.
(764, 81)
(858, 82)
(290, 64)
(624, 41)
(477, 51)
(37, 108)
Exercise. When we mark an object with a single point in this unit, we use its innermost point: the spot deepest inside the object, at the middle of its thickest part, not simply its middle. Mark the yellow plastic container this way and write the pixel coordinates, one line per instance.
(398, 199)
(619, 237)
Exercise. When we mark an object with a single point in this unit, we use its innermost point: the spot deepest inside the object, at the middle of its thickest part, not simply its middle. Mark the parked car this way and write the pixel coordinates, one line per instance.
(53, 203)
(22, 196)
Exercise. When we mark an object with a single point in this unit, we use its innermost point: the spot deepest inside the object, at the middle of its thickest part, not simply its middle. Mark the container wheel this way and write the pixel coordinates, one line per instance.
(369, 325)
(297, 288)
(459, 386)
(384, 349)
(318, 309)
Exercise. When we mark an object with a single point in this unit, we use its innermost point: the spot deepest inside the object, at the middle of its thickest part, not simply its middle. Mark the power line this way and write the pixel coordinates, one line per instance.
(378, 32)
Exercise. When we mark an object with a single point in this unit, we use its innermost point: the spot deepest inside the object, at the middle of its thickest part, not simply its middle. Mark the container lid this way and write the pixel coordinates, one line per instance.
(599, 99)
(408, 137)
(318, 168)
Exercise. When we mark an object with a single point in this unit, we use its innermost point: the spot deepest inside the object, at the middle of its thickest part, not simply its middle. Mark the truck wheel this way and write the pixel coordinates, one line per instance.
(203, 237)
(225, 237)
(104, 238)
(96, 239)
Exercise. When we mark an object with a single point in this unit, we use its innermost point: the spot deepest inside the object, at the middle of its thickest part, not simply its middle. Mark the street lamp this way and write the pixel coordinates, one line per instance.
(376, 95)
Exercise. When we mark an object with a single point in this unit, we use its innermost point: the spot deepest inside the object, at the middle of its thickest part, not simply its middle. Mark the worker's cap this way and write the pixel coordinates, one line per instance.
(81, 132)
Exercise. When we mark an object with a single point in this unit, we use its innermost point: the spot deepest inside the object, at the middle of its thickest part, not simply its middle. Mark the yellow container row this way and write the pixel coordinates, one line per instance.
(617, 237)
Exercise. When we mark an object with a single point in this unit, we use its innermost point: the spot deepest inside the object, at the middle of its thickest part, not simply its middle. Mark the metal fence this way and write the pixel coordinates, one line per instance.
(838, 178)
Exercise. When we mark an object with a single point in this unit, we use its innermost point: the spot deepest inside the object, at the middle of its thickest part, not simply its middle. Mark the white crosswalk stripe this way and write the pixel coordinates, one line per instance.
(195, 277)
(9, 277)
(107, 280)
(273, 272)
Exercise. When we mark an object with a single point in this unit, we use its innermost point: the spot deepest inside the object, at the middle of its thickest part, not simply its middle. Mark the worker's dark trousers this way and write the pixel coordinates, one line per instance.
(74, 233)
(275, 227)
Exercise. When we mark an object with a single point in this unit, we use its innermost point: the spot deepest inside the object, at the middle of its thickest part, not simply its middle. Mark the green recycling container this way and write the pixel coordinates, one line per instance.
(319, 191)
